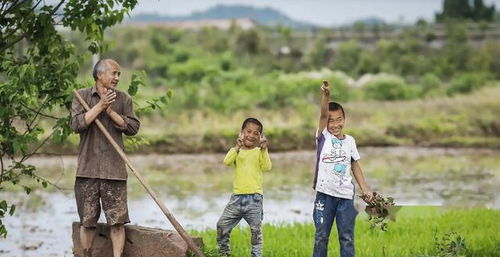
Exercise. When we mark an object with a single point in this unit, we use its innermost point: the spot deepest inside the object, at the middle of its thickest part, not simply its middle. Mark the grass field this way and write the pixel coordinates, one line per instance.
(459, 121)
(413, 234)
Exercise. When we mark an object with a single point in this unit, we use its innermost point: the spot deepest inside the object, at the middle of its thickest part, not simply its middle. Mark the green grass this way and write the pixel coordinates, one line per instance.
(413, 234)
(460, 121)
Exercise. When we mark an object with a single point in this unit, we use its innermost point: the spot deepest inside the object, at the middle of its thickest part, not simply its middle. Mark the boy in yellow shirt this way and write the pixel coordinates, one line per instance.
(250, 158)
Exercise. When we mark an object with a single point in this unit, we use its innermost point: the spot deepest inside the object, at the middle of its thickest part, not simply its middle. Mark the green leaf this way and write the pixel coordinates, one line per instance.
(12, 209)
(27, 189)
(3, 231)
(3, 205)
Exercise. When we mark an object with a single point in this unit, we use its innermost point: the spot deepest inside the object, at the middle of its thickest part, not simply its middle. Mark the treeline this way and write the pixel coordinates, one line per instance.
(268, 68)
(466, 10)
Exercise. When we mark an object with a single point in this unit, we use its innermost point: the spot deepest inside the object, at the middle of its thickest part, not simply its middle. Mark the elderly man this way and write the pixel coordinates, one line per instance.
(101, 174)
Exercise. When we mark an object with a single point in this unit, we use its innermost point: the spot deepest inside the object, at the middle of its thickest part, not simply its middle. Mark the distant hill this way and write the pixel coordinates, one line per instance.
(264, 16)
(371, 21)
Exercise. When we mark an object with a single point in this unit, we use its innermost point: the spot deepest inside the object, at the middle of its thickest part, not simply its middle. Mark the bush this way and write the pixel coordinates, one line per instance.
(347, 56)
(388, 87)
(192, 70)
(467, 82)
(430, 85)
(307, 85)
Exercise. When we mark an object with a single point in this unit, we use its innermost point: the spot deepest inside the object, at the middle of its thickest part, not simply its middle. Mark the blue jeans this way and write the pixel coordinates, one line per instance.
(248, 207)
(326, 209)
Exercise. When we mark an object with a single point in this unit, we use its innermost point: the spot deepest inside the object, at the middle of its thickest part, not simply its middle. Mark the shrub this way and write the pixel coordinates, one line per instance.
(388, 87)
(467, 82)
(430, 85)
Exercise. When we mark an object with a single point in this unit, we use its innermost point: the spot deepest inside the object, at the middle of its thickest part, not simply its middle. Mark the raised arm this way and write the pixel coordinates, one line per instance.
(231, 155)
(230, 158)
(325, 98)
(265, 160)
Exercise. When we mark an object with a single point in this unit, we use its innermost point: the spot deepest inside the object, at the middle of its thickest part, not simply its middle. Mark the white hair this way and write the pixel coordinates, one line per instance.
(100, 66)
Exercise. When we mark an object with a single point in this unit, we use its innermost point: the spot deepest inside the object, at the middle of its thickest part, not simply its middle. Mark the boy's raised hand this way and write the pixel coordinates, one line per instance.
(239, 141)
(325, 87)
(323, 118)
(263, 141)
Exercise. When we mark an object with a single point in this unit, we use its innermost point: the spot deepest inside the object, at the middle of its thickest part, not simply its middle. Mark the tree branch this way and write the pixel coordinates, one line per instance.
(1, 8)
(29, 124)
(27, 156)
(49, 182)
(40, 113)
(20, 24)
(13, 6)
(1, 162)
(9, 45)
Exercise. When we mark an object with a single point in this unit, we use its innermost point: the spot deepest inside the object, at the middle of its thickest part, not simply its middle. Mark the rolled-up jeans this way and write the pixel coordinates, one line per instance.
(326, 209)
(248, 207)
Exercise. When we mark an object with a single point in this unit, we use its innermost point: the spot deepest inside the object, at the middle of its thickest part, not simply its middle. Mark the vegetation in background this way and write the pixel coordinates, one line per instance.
(218, 77)
(459, 121)
(238, 69)
(464, 9)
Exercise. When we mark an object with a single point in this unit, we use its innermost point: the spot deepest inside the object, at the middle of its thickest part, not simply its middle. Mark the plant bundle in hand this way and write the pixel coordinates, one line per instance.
(378, 210)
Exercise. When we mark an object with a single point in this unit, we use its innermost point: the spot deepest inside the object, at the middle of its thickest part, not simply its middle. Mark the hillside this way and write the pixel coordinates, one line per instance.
(264, 16)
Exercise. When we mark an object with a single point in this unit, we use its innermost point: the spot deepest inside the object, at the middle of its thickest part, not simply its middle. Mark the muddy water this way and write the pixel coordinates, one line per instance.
(196, 188)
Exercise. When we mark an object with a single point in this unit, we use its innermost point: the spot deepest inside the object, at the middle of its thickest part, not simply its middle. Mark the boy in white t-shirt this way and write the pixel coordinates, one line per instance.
(336, 156)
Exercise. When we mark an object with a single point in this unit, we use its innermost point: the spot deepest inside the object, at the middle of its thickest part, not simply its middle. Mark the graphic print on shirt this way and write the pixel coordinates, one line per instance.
(338, 157)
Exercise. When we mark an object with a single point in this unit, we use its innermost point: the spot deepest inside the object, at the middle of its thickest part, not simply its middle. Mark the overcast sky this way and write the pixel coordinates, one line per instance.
(321, 12)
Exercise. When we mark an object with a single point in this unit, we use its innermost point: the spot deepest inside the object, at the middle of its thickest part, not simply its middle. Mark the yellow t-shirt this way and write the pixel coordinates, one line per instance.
(248, 167)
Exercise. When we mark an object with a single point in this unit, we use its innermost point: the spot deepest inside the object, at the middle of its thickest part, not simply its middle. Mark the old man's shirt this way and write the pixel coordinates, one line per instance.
(96, 156)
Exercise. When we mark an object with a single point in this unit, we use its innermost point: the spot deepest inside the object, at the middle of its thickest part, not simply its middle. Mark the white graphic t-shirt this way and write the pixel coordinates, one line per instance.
(334, 165)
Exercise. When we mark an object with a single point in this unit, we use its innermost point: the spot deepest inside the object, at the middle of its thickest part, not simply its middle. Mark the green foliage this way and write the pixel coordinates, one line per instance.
(450, 245)
(380, 208)
(320, 55)
(238, 69)
(191, 71)
(136, 81)
(348, 56)
(430, 85)
(387, 87)
(155, 104)
(133, 143)
(467, 82)
(4, 210)
(248, 42)
(465, 9)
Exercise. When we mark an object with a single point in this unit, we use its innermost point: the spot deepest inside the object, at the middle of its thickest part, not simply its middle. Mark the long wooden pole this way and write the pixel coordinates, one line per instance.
(162, 206)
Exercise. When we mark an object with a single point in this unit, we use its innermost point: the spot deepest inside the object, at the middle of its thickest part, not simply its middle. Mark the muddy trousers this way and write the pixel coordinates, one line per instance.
(327, 209)
(248, 207)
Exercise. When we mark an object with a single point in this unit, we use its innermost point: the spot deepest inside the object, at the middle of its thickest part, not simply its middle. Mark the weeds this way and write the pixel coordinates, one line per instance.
(379, 209)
